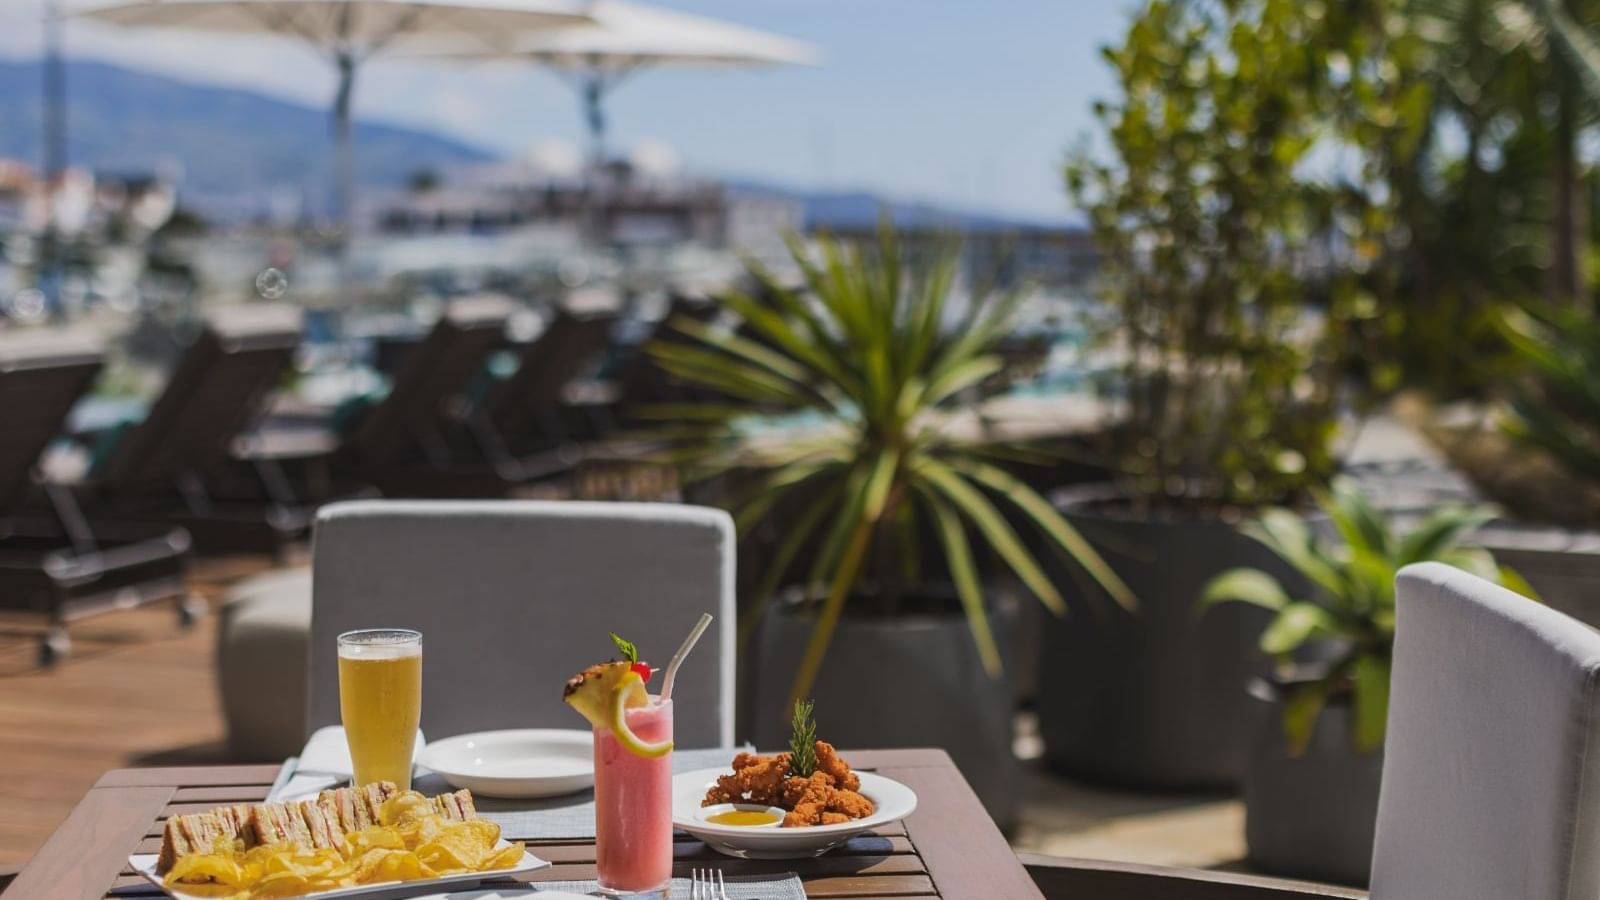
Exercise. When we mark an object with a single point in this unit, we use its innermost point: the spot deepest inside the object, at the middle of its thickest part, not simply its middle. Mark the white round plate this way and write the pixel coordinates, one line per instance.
(894, 800)
(528, 762)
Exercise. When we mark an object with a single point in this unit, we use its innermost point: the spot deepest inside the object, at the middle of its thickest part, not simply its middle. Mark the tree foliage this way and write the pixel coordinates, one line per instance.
(1243, 216)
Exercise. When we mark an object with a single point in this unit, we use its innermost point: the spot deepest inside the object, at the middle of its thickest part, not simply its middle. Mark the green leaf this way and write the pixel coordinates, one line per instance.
(1285, 533)
(993, 527)
(1370, 679)
(1301, 709)
(958, 556)
(799, 532)
(626, 648)
(1294, 625)
(745, 349)
(1512, 580)
(1358, 523)
(1440, 533)
(845, 523)
(1058, 528)
(1244, 586)
(828, 618)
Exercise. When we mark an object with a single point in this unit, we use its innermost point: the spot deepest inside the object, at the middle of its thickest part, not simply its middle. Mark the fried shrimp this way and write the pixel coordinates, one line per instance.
(828, 760)
(755, 779)
(828, 796)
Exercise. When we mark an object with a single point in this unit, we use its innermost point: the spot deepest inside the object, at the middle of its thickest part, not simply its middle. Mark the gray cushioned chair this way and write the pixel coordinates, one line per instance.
(1491, 774)
(513, 597)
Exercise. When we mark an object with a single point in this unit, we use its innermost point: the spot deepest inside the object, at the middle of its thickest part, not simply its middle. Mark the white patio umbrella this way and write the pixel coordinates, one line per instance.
(349, 32)
(626, 38)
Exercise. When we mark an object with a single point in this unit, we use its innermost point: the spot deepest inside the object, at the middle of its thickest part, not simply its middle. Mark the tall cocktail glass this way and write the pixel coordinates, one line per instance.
(380, 700)
(633, 806)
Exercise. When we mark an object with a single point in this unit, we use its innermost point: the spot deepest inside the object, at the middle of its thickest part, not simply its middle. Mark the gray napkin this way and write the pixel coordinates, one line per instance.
(560, 818)
(743, 887)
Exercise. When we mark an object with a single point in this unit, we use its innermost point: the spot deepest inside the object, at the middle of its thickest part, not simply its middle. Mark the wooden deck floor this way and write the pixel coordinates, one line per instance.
(136, 690)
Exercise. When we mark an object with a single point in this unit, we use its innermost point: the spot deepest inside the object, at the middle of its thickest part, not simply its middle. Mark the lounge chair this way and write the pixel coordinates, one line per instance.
(524, 419)
(187, 463)
(55, 561)
(640, 381)
(403, 443)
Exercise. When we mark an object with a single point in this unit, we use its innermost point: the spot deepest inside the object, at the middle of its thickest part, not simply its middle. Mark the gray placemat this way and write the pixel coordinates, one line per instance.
(566, 817)
(744, 887)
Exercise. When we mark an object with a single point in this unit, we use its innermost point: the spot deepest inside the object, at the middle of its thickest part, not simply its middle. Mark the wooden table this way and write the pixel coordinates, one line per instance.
(948, 848)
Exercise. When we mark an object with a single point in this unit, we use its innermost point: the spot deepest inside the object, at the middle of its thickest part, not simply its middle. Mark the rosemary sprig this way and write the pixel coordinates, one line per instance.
(803, 740)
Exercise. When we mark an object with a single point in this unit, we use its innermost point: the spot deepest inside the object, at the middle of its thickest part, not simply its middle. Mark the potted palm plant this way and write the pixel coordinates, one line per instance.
(1538, 456)
(838, 408)
(1311, 786)
(1229, 315)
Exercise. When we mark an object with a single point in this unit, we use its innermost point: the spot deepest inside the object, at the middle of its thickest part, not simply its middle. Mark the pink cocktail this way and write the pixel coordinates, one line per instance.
(633, 806)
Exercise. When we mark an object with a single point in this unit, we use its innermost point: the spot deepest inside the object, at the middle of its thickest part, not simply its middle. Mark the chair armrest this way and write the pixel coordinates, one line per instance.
(1061, 878)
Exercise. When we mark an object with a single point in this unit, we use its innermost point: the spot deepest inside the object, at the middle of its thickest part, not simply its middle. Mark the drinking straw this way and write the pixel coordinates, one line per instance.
(677, 658)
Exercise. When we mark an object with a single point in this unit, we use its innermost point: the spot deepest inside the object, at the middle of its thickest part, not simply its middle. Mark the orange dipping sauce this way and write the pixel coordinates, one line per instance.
(745, 817)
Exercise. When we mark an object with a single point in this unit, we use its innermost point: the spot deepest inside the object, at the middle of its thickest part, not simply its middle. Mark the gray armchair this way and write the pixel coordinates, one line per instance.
(513, 597)
(1492, 768)
(1491, 778)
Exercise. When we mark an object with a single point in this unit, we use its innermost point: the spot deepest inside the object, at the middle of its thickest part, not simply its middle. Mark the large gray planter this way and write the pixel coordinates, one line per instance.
(1154, 698)
(1562, 566)
(899, 681)
(1312, 816)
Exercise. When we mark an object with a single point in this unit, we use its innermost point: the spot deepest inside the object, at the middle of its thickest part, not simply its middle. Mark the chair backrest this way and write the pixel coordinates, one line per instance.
(1491, 772)
(514, 597)
(549, 363)
(41, 377)
(218, 388)
(434, 372)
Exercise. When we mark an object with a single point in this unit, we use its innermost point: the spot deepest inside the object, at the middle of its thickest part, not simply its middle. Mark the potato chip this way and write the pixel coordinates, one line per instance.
(202, 867)
(414, 842)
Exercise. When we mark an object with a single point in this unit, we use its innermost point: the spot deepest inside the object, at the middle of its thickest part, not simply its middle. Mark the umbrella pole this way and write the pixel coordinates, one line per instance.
(344, 140)
(594, 109)
(344, 181)
(52, 264)
(594, 90)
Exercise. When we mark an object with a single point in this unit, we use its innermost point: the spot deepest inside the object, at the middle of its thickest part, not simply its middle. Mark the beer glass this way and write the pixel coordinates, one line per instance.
(380, 700)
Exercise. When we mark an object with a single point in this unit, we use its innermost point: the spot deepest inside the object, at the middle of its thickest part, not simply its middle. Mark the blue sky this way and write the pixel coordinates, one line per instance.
(972, 102)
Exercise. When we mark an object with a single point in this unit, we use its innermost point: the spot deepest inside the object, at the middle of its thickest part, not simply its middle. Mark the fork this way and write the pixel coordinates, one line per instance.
(707, 884)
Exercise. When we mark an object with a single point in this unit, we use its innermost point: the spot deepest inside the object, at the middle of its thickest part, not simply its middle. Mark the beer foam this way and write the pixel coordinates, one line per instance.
(380, 644)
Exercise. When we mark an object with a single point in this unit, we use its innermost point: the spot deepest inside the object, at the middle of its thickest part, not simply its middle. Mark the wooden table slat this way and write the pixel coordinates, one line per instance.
(88, 850)
(965, 852)
(192, 776)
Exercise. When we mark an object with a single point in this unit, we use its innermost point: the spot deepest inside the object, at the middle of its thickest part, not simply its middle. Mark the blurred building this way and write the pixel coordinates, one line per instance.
(621, 204)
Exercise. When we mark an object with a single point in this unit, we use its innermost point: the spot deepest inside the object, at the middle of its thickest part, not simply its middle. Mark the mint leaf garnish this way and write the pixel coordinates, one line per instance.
(626, 648)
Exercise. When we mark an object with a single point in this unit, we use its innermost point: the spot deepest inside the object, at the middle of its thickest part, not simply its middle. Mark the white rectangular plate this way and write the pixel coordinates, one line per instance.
(145, 864)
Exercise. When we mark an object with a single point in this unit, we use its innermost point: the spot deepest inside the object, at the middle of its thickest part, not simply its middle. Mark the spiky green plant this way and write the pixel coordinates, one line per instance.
(1352, 604)
(874, 358)
(1556, 408)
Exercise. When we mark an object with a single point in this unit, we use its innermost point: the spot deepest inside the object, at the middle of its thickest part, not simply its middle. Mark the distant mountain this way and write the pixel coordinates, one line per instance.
(228, 141)
(240, 150)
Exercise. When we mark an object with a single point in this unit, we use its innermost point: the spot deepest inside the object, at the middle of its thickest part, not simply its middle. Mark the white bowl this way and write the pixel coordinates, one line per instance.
(894, 802)
(528, 762)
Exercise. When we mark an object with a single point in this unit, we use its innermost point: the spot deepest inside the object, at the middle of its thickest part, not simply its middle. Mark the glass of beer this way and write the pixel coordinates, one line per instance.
(380, 700)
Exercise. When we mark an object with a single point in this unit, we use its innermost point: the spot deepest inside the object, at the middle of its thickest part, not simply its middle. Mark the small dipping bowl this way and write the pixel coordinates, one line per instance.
(729, 814)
